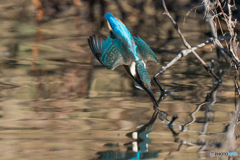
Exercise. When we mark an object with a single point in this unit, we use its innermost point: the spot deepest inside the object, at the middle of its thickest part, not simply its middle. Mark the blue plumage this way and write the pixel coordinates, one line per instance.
(120, 31)
(121, 48)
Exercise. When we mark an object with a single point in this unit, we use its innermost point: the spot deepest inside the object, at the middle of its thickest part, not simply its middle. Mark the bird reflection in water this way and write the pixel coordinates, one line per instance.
(121, 48)
(137, 148)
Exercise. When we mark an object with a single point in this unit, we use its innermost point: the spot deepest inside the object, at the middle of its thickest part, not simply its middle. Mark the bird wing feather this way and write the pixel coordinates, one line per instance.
(111, 56)
(144, 51)
(105, 51)
(96, 44)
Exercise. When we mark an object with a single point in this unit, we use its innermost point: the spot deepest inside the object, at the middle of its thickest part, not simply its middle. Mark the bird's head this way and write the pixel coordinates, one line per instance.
(120, 31)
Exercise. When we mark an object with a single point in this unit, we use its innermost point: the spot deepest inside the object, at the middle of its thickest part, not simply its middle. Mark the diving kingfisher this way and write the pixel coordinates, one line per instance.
(121, 48)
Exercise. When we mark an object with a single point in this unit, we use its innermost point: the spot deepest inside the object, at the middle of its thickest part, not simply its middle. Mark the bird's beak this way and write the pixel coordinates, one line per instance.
(152, 97)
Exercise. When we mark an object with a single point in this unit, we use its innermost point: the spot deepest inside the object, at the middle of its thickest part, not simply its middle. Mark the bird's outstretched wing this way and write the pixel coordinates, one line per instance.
(105, 51)
(96, 44)
(144, 51)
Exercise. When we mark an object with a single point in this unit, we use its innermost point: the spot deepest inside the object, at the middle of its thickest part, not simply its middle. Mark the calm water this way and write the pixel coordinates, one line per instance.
(58, 102)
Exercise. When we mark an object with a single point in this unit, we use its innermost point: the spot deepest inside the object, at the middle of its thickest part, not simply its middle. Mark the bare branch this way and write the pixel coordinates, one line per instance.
(185, 44)
(183, 53)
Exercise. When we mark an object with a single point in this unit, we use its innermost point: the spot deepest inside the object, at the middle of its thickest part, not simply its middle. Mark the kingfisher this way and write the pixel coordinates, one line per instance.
(121, 48)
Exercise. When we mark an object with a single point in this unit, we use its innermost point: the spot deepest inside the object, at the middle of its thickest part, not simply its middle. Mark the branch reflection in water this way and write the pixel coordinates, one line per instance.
(138, 148)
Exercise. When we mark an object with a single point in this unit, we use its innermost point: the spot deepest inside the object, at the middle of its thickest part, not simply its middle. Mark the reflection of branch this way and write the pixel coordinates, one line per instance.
(229, 144)
(192, 114)
(209, 101)
(211, 98)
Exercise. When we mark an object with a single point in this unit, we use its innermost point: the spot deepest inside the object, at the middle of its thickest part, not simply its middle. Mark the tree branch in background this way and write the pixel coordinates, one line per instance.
(186, 44)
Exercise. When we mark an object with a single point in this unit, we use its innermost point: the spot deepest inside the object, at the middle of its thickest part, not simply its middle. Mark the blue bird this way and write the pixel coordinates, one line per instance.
(121, 48)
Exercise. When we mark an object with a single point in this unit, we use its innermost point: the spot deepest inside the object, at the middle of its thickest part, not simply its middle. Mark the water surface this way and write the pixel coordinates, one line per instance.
(58, 102)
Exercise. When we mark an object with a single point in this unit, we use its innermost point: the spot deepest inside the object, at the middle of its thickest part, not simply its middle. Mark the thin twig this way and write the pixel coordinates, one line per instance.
(185, 42)
(182, 54)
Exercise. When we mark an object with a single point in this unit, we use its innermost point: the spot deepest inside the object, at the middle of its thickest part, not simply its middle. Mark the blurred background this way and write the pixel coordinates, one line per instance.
(57, 102)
